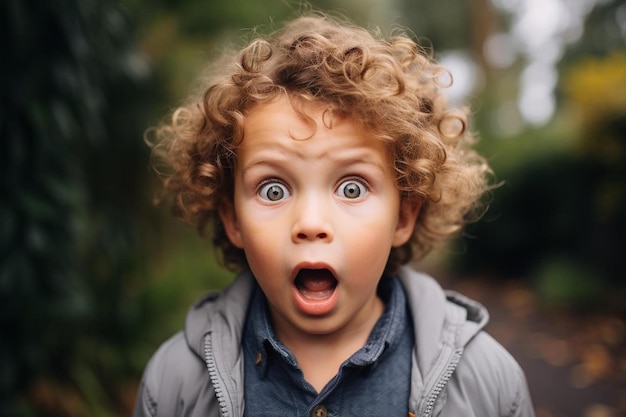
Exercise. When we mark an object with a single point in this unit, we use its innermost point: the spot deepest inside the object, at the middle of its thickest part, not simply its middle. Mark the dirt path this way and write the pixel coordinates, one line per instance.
(575, 363)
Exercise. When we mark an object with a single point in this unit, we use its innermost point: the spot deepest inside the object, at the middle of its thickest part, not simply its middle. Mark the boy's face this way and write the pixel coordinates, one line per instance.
(316, 218)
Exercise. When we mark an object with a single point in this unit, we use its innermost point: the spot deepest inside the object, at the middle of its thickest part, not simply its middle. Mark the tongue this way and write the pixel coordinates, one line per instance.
(316, 283)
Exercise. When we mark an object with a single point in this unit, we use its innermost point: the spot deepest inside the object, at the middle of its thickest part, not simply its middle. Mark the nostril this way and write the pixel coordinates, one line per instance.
(305, 236)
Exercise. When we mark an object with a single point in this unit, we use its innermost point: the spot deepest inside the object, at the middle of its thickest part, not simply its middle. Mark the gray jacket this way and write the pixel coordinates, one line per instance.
(458, 370)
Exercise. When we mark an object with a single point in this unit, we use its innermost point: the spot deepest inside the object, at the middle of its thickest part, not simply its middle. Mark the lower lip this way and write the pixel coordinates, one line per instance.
(315, 307)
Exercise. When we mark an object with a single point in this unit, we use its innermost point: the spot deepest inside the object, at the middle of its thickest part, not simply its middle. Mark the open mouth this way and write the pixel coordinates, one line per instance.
(315, 284)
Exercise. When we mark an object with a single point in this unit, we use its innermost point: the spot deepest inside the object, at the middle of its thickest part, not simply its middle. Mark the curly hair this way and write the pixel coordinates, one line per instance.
(390, 85)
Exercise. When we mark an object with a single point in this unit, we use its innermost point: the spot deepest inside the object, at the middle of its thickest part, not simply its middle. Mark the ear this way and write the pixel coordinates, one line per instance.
(231, 226)
(409, 210)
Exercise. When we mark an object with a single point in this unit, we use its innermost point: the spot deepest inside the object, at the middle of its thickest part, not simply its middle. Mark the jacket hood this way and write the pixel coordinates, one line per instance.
(440, 318)
(226, 309)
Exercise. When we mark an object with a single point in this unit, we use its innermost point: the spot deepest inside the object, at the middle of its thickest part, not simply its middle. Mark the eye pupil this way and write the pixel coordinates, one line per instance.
(275, 193)
(352, 190)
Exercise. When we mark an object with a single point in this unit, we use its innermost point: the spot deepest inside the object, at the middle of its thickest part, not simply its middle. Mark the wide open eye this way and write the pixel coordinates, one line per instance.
(352, 189)
(273, 191)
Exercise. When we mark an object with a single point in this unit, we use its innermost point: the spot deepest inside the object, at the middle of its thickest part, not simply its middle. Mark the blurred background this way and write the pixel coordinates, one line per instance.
(94, 276)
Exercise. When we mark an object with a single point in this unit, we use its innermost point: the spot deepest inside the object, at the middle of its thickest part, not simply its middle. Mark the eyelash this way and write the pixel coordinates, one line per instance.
(357, 179)
(268, 181)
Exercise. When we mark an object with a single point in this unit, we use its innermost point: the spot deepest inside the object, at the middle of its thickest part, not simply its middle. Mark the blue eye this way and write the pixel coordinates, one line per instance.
(273, 191)
(351, 189)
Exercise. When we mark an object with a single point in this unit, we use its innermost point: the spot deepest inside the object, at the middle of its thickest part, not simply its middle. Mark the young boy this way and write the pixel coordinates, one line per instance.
(324, 159)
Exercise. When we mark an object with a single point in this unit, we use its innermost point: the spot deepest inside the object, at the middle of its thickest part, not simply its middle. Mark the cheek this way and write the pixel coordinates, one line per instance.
(260, 242)
(382, 220)
(370, 239)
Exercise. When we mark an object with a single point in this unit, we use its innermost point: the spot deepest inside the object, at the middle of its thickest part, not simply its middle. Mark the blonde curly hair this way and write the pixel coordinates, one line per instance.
(390, 85)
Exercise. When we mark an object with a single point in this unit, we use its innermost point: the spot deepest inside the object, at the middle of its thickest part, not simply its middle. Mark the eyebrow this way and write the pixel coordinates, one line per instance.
(266, 157)
(353, 157)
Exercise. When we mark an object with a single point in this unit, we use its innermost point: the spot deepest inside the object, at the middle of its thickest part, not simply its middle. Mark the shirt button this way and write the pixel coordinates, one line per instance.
(319, 411)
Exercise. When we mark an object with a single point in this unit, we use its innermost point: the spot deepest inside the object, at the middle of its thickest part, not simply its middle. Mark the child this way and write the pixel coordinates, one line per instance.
(323, 159)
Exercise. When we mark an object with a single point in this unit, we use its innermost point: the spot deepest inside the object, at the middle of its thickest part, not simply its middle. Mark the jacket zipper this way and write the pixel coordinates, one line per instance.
(429, 406)
(217, 386)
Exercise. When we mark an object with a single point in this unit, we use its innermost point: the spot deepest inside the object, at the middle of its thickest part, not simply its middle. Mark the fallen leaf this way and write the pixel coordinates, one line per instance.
(543, 412)
(597, 361)
(599, 410)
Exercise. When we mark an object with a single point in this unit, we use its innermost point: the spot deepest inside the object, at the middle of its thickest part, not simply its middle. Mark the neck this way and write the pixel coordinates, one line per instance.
(320, 355)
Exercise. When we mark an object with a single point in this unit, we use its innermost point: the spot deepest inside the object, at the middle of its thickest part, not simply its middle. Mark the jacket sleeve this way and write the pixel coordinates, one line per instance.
(157, 391)
(145, 405)
(522, 405)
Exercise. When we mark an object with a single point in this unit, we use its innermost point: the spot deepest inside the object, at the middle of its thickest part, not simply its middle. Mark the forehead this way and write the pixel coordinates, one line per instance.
(310, 129)
(302, 117)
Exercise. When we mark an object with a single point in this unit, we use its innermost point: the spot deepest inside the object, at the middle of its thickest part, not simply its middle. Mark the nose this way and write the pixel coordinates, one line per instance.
(311, 222)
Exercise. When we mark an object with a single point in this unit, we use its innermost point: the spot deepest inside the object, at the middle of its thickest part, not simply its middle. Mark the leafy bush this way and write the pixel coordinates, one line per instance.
(563, 202)
(71, 192)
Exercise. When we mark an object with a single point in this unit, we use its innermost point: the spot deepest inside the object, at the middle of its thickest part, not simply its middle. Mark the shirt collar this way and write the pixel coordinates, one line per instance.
(384, 336)
(387, 332)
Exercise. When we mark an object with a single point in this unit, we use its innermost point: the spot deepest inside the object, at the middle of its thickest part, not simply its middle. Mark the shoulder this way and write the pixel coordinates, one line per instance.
(174, 359)
(176, 380)
(490, 380)
(173, 382)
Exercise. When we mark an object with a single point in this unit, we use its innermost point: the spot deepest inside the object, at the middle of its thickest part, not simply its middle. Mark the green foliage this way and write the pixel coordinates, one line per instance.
(445, 24)
(543, 206)
(603, 34)
(564, 283)
(74, 94)
(561, 206)
(564, 195)
(210, 18)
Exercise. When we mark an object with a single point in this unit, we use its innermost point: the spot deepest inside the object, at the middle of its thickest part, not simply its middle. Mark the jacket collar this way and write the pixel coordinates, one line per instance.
(439, 316)
(224, 311)
(444, 322)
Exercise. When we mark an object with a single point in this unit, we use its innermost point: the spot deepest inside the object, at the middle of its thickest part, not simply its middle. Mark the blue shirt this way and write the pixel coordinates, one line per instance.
(374, 381)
